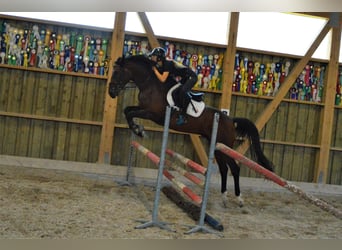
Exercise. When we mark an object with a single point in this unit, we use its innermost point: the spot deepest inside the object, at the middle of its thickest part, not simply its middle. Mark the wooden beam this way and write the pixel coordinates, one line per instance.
(316, 14)
(196, 141)
(148, 29)
(110, 106)
(286, 85)
(229, 62)
(329, 100)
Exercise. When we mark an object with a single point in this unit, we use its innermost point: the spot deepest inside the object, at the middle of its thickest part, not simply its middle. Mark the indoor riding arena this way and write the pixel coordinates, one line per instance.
(79, 162)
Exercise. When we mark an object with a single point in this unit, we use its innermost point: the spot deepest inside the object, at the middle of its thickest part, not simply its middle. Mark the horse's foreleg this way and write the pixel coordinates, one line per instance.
(132, 112)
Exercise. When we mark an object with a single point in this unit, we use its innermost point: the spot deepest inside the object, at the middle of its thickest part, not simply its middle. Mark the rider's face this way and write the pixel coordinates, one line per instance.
(154, 58)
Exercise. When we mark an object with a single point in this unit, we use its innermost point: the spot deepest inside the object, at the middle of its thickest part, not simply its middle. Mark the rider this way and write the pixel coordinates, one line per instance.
(167, 69)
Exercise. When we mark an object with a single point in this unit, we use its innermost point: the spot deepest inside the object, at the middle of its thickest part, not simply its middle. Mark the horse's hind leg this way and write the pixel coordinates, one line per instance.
(223, 162)
(223, 168)
(235, 170)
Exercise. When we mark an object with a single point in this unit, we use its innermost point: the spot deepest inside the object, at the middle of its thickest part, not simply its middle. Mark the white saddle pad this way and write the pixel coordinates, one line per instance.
(194, 108)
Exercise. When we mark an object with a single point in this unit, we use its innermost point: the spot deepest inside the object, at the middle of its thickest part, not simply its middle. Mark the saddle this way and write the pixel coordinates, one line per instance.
(196, 105)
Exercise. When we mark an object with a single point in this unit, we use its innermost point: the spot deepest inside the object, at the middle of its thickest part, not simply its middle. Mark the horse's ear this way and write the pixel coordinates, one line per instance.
(119, 61)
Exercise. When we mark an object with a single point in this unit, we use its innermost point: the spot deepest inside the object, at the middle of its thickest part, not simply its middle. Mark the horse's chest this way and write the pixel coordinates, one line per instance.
(151, 99)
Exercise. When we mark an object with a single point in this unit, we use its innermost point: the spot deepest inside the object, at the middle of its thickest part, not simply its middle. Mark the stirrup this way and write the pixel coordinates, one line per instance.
(180, 120)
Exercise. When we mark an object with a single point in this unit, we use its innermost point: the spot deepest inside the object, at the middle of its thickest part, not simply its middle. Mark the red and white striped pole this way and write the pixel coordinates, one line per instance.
(186, 161)
(155, 159)
(275, 178)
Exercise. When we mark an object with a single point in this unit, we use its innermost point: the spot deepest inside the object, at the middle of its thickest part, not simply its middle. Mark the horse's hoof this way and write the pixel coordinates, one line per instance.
(240, 201)
(225, 199)
(139, 130)
(142, 134)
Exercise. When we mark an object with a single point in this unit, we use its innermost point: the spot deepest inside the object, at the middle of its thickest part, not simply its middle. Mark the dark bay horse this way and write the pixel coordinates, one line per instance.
(152, 106)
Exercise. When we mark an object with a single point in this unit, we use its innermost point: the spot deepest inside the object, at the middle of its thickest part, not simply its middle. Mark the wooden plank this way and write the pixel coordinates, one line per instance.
(301, 159)
(109, 112)
(14, 95)
(280, 135)
(47, 140)
(95, 135)
(83, 143)
(290, 129)
(85, 130)
(312, 128)
(10, 134)
(63, 110)
(287, 84)
(2, 134)
(308, 168)
(229, 61)
(36, 131)
(22, 139)
(76, 108)
(99, 96)
(25, 97)
(76, 111)
(39, 107)
(49, 118)
(60, 142)
(72, 135)
(329, 100)
(40, 94)
(148, 29)
(51, 108)
(5, 78)
(335, 175)
(52, 97)
(301, 120)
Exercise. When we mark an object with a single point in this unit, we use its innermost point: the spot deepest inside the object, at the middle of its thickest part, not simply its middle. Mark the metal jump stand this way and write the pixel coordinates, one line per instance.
(155, 221)
(201, 226)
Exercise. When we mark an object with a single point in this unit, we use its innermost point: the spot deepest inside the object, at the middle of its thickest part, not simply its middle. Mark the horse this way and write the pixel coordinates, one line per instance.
(152, 100)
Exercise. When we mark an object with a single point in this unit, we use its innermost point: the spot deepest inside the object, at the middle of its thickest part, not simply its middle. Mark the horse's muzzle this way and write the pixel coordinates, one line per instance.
(113, 91)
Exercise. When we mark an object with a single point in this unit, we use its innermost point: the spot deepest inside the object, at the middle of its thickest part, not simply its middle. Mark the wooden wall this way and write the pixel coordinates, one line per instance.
(49, 115)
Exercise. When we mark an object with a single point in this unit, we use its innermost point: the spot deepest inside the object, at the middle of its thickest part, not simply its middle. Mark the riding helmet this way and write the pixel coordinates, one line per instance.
(159, 52)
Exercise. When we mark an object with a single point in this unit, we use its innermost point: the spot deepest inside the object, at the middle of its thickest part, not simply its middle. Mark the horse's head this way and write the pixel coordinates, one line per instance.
(133, 68)
(120, 77)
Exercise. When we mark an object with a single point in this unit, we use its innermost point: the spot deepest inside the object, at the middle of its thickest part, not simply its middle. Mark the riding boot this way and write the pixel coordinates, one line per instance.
(182, 115)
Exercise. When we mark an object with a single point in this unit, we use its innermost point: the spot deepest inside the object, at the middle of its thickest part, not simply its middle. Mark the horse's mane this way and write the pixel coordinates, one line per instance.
(146, 63)
(140, 59)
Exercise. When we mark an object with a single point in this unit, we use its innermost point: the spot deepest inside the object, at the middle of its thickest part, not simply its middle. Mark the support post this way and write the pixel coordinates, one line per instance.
(327, 119)
(110, 105)
(228, 63)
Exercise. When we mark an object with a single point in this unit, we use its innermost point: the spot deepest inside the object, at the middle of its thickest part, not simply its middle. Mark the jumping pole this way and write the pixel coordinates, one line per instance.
(275, 178)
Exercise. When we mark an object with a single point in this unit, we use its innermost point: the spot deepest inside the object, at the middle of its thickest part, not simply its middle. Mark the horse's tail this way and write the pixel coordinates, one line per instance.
(246, 128)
